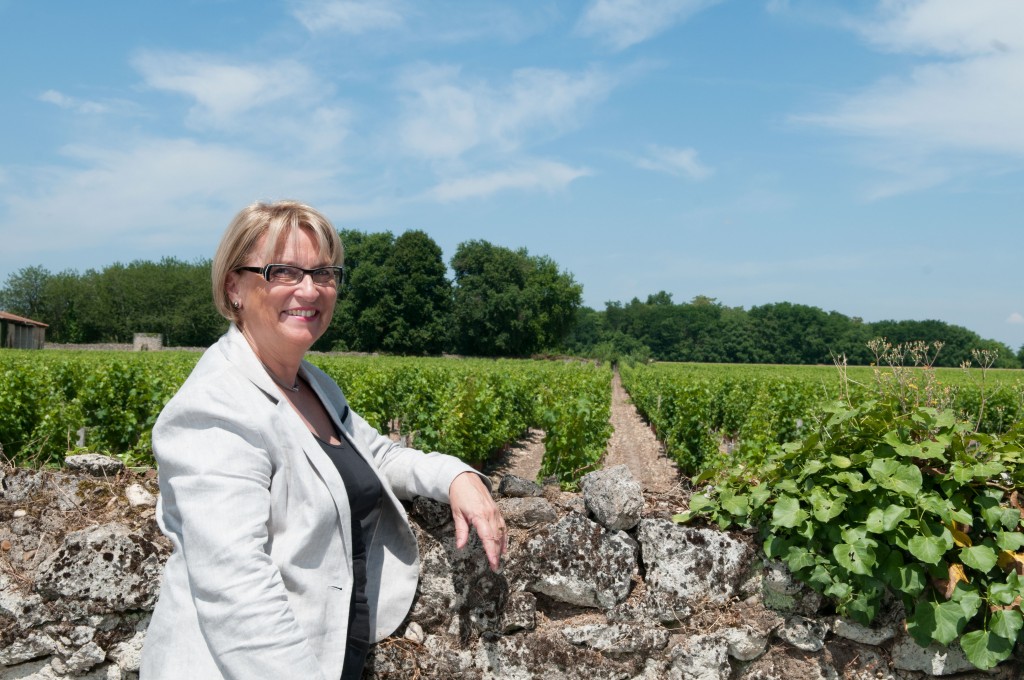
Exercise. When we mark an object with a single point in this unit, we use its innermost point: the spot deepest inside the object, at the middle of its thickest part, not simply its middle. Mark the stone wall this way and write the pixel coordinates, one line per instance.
(597, 585)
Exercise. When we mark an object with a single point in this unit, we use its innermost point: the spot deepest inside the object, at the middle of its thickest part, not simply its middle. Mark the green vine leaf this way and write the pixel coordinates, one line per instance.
(928, 549)
(984, 649)
(857, 558)
(980, 557)
(881, 521)
(895, 476)
(787, 513)
(940, 623)
(1007, 623)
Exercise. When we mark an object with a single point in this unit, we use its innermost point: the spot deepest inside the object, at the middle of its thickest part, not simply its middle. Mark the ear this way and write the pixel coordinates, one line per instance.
(231, 286)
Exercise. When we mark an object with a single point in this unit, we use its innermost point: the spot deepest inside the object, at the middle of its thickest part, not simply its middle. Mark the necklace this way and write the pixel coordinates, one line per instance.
(281, 383)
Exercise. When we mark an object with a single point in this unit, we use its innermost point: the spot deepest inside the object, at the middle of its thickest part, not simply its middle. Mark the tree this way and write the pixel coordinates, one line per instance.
(508, 303)
(421, 294)
(24, 292)
(396, 297)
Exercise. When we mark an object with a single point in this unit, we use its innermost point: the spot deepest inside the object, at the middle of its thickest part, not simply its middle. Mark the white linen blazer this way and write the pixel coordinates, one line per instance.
(259, 581)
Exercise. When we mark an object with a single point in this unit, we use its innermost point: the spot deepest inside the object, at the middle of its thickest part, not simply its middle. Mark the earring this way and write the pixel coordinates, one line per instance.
(236, 305)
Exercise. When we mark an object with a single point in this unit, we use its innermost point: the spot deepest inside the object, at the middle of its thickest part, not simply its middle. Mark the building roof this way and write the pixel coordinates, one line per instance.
(7, 316)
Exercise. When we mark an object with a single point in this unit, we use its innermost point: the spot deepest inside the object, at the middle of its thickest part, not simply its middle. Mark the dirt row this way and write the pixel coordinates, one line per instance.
(632, 444)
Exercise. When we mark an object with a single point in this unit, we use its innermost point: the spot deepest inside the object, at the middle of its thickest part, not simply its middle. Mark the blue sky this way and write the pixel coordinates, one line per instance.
(861, 157)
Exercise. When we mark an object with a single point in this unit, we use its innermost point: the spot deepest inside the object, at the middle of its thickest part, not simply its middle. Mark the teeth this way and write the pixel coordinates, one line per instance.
(301, 312)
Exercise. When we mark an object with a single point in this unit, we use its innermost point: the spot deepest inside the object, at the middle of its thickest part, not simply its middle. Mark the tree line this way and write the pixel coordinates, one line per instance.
(400, 297)
(705, 330)
(397, 298)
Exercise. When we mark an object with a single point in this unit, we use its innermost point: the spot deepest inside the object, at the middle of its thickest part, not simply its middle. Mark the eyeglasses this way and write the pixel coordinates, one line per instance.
(290, 275)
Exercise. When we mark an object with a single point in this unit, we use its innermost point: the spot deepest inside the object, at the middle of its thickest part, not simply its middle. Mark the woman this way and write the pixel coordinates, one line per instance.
(292, 552)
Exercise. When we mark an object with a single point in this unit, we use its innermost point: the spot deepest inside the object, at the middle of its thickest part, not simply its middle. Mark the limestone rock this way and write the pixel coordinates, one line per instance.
(613, 497)
(107, 568)
(527, 512)
(517, 487)
(139, 497)
(95, 464)
(803, 633)
(935, 659)
(686, 565)
(578, 562)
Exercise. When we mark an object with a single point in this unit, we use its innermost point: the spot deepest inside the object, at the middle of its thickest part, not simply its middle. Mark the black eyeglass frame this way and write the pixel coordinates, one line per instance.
(264, 271)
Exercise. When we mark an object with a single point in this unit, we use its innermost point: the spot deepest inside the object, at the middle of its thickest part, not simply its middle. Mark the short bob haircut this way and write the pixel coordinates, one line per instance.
(276, 220)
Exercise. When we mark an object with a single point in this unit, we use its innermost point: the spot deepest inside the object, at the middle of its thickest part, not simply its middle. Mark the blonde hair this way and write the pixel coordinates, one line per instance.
(276, 220)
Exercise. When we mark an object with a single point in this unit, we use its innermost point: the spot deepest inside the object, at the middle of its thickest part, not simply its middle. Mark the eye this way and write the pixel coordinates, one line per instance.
(284, 273)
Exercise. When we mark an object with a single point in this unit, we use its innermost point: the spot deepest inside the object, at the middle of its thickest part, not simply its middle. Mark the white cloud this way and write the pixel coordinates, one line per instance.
(951, 27)
(539, 175)
(348, 16)
(181, 190)
(72, 103)
(680, 162)
(448, 114)
(222, 90)
(967, 100)
(1015, 318)
(623, 23)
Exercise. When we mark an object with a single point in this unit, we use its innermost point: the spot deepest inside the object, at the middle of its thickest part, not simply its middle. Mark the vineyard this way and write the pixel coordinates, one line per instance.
(722, 416)
(55, 401)
(893, 483)
(880, 488)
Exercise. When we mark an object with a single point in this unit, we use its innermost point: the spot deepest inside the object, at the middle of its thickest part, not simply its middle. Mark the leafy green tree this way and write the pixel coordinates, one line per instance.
(421, 297)
(396, 297)
(508, 303)
(24, 291)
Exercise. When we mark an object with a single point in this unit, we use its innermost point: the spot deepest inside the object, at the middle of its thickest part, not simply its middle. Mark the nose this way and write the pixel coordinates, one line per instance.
(307, 287)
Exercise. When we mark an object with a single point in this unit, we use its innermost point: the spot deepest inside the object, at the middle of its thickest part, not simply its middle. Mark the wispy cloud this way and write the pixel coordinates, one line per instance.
(539, 175)
(347, 16)
(1015, 318)
(179, 188)
(622, 23)
(448, 114)
(72, 103)
(679, 162)
(968, 100)
(223, 90)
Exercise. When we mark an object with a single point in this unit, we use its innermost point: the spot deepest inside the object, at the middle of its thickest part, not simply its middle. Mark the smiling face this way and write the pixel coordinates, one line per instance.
(283, 321)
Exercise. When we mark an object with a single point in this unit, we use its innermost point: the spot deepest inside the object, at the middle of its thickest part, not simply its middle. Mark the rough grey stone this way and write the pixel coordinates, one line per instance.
(107, 568)
(578, 562)
(803, 633)
(783, 593)
(935, 659)
(95, 464)
(745, 643)
(520, 612)
(139, 497)
(686, 565)
(613, 497)
(851, 630)
(511, 486)
(527, 512)
(701, 657)
(618, 639)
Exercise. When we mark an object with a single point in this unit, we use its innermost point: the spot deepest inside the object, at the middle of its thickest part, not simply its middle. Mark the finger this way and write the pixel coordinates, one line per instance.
(461, 530)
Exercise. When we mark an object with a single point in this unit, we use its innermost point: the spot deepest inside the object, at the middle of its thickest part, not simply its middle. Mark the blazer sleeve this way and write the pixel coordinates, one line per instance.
(215, 473)
(411, 472)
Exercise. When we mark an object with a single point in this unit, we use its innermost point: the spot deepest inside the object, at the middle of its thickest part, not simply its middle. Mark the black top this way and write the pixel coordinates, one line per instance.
(364, 492)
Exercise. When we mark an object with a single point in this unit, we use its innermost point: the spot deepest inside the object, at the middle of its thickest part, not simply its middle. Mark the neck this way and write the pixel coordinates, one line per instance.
(283, 372)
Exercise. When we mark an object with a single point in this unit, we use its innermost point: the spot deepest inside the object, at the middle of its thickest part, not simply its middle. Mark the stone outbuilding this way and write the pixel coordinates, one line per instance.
(17, 332)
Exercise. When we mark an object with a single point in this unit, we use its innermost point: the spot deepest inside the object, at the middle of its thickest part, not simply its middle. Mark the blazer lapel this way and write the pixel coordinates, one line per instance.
(238, 351)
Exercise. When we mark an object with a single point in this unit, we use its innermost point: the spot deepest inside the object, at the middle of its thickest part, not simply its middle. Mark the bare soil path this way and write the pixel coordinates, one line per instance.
(632, 444)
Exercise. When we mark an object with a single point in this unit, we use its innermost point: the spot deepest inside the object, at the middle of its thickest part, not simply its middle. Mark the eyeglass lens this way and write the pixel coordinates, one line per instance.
(283, 273)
